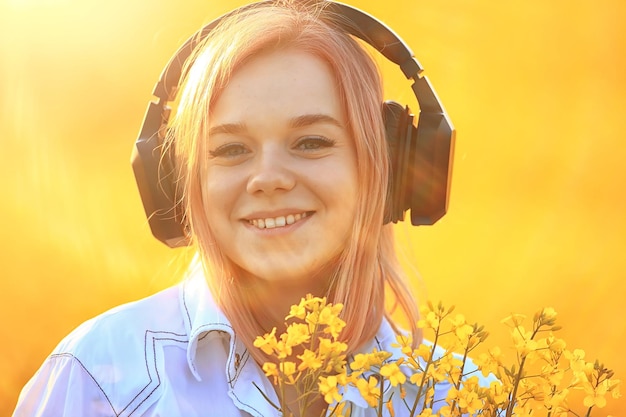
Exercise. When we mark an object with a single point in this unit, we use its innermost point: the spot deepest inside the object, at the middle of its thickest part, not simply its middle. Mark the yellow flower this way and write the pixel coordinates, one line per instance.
(297, 334)
(417, 379)
(437, 372)
(556, 345)
(614, 388)
(452, 394)
(365, 361)
(576, 359)
(271, 370)
(553, 374)
(297, 311)
(342, 409)
(328, 348)
(332, 355)
(360, 362)
(498, 393)
(548, 314)
(469, 401)
(548, 363)
(267, 343)
(329, 312)
(595, 397)
(309, 360)
(282, 349)
(369, 390)
(329, 388)
(313, 304)
(329, 316)
(446, 411)
(288, 369)
(461, 329)
(558, 402)
(513, 320)
(392, 372)
(490, 362)
(463, 333)
(425, 352)
(429, 321)
(523, 342)
(404, 342)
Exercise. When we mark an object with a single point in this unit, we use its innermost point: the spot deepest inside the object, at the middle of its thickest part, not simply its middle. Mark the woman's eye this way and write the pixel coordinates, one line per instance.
(228, 150)
(313, 143)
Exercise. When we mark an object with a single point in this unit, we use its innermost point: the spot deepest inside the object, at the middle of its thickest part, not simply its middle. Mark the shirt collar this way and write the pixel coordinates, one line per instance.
(200, 314)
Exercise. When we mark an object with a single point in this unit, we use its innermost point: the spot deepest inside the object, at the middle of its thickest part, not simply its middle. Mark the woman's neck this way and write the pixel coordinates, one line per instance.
(270, 301)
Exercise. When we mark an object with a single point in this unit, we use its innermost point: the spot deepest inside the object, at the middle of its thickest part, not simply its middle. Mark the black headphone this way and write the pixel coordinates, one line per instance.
(421, 153)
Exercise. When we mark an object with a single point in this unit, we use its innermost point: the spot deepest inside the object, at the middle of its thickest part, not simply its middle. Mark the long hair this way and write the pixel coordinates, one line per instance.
(368, 264)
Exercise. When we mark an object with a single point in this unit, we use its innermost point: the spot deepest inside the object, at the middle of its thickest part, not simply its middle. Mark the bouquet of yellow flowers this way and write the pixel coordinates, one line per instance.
(541, 380)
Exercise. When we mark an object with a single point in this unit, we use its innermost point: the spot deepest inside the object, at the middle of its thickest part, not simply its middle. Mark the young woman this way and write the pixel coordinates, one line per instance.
(283, 165)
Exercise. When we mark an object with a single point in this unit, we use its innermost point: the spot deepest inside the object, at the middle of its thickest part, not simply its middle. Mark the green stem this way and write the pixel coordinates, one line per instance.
(518, 378)
(430, 361)
(281, 385)
(457, 384)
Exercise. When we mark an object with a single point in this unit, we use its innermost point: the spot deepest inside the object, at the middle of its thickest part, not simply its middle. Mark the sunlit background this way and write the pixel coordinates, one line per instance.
(537, 91)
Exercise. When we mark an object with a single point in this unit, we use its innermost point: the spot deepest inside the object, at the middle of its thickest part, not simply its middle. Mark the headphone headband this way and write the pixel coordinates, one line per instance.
(421, 156)
(352, 20)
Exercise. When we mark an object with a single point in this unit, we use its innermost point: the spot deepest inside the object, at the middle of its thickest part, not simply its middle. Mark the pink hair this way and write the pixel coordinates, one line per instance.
(368, 265)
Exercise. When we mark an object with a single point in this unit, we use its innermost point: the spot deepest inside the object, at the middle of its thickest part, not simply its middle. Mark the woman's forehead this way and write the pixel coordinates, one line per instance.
(291, 82)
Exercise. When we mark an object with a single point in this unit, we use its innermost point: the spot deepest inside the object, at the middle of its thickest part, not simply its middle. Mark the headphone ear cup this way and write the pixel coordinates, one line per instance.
(421, 162)
(431, 168)
(156, 179)
(396, 119)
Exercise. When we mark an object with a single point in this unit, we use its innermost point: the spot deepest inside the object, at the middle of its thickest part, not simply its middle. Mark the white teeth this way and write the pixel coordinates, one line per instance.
(280, 221)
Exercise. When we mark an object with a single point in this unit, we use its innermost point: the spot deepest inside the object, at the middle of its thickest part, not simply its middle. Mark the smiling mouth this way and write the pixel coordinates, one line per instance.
(280, 221)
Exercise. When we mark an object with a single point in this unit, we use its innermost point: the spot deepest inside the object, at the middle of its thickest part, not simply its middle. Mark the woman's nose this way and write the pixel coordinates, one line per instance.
(271, 172)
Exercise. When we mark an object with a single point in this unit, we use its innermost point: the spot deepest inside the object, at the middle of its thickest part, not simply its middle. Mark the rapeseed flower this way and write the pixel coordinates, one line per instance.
(537, 382)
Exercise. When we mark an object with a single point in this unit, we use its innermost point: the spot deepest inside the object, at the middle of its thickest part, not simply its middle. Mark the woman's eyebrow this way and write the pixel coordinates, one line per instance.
(310, 119)
(294, 122)
(231, 128)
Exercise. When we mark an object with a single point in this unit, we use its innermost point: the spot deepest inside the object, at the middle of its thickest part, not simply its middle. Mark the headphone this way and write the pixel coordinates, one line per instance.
(420, 152)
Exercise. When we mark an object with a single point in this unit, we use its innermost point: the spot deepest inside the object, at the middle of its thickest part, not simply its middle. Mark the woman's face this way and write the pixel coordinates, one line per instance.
(280, 180)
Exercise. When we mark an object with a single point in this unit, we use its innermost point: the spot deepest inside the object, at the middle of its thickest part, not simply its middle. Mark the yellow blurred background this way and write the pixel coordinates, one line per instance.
(537, 92)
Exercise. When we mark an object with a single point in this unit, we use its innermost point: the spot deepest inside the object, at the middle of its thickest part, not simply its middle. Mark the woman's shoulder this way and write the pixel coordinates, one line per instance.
(124, 326)
(95, 369)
